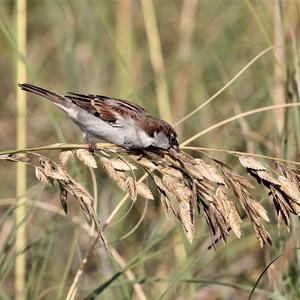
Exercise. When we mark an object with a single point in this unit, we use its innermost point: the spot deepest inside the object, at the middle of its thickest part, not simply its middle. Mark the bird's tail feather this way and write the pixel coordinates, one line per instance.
(59, 99)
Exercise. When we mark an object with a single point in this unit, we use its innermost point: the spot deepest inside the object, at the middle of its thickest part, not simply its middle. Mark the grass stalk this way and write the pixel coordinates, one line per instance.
(162, 94)
(64, 279)
(258, 21)
(129, 274)
(59, 146)
(74, 287)
(20, 265)
(237, 117)
(279, 72)
(185, 46)
(251, 62)
(296, 99)
(124, 44)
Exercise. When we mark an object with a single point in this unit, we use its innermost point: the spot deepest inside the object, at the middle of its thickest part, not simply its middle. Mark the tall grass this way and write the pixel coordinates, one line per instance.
(157, 60)
(186, 61)
(20, 243)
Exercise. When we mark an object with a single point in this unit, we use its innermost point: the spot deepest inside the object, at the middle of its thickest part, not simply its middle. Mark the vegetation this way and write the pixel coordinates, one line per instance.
(226, 74)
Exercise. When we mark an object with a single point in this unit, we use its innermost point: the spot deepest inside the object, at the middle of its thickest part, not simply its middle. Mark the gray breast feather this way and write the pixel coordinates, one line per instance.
(123, 133)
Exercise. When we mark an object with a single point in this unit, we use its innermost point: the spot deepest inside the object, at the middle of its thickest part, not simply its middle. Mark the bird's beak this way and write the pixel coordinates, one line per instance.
(176, 147)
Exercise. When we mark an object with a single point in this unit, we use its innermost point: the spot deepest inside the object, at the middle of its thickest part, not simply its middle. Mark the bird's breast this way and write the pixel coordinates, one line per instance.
(127, 134)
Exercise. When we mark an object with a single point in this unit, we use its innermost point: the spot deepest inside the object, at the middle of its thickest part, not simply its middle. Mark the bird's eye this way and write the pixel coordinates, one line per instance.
(173, 139)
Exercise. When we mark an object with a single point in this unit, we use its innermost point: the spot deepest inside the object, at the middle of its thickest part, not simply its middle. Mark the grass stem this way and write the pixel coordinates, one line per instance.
(20, 267)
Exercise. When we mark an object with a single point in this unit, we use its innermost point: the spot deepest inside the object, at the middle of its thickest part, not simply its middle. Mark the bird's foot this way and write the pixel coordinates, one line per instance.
(92, 147)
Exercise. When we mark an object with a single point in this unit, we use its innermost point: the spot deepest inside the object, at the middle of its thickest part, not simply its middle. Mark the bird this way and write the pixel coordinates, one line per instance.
(116, 121)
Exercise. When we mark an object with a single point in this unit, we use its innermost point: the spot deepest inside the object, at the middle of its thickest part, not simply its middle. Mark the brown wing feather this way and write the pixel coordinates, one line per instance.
(83, 102)
(105, 112)
(108, 109)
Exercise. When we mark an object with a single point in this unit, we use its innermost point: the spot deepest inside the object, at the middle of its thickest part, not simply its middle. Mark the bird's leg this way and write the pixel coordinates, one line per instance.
(92, 145)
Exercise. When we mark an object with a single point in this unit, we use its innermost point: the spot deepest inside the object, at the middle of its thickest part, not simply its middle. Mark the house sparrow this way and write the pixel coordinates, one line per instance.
(117, 121)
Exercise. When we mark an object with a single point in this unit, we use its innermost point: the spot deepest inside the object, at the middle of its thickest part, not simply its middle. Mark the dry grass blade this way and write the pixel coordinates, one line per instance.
(86, 157)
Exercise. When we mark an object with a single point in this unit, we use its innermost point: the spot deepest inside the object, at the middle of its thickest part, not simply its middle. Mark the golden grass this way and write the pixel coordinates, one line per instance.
(20, 244)
(102, 48)
(186, 185)
(161, 86)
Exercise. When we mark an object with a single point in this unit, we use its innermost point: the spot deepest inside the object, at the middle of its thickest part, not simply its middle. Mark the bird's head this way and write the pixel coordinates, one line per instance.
(166, 138)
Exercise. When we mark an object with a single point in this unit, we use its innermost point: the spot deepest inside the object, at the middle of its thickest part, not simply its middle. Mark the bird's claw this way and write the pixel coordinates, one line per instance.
(92, 147)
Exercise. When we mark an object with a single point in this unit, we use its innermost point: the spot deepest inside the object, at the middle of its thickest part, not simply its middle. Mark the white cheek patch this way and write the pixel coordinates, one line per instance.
(145, 139)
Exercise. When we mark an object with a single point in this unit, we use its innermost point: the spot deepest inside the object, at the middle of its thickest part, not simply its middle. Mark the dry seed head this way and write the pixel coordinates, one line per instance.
(172, 161)
(229, 211)
(234, 219)
(208, 171)
(47, 169)
(144, 162)
(185, 185)
(86, 157)
(290, 188)
(259, 210)
(40, 175)
(80, 192)
(186, 217)
(283, 208)
(177, 188)
(53, 171)
(193, 171)
(65, 156)
(264, 177)
(159, 183)
(165, 204)
(131, 188)
(144, 191)
(117, 176)
(122, 165)
(63, 198)
(170, 171)
(251, 163)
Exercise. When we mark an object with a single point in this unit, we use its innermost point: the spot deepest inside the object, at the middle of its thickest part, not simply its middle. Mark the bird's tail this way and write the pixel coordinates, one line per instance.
(59, 99)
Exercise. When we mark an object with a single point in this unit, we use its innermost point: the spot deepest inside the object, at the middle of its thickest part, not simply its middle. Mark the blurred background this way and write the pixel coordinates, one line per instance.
(169, 57)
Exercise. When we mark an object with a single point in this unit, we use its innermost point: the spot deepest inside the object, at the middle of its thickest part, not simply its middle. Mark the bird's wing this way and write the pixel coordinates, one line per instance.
(108, 109)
